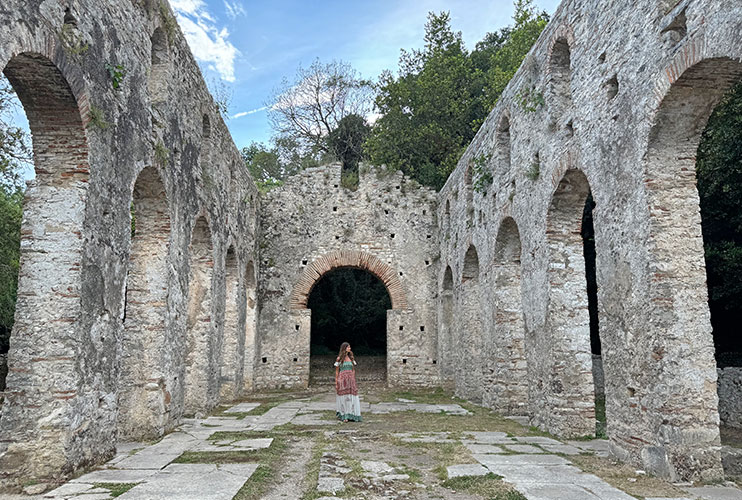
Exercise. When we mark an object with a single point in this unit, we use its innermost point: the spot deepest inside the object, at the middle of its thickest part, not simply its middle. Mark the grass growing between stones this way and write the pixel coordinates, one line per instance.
(115, 489)
(490, 486)
(624, 477)
(309, 487)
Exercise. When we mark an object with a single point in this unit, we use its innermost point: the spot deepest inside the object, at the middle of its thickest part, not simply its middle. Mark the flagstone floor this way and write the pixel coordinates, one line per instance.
(409, 446)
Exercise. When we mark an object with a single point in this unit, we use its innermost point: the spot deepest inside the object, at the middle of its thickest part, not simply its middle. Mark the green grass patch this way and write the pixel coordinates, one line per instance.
(115, 489)
(312, 469)
(489, 486)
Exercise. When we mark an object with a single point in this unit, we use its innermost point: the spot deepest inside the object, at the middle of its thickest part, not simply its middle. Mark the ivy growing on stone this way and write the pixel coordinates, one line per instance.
(482, 175)
(117, 72)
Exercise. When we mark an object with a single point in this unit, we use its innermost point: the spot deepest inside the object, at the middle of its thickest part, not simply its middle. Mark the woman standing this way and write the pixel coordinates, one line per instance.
(348, 406)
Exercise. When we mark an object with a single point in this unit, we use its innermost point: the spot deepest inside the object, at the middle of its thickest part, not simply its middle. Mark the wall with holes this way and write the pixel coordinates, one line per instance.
(611, 102)
(138, 238)
(313, 225)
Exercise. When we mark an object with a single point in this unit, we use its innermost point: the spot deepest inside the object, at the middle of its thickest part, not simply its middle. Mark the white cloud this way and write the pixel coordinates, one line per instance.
(251, 112)
(234, 9)
(209, 43)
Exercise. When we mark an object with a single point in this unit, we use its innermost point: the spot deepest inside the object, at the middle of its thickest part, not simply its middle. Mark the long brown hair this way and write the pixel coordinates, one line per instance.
(342, 353)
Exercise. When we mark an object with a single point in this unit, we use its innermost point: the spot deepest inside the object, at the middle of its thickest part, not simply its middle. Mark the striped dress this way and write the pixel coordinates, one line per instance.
(347, 404)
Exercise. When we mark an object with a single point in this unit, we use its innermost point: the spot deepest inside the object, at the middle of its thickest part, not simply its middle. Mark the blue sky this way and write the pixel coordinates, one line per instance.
(247, 47)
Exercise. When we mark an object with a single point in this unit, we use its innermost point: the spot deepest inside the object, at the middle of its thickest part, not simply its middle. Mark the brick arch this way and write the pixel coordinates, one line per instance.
(347, 258)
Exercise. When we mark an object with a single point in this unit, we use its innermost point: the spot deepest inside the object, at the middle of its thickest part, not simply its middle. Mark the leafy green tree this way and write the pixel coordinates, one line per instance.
(11, 200)
(432, 109)
(719, 172)
(346, 141)
(15, 154)
(349, 305)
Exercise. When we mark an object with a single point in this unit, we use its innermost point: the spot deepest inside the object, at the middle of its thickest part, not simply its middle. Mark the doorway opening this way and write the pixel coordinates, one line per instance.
(348, 305)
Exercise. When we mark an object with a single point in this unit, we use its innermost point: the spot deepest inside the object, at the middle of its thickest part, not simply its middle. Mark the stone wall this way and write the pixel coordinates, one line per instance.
(102, 331)
(627, 88)
(313, 225)
(730, 396)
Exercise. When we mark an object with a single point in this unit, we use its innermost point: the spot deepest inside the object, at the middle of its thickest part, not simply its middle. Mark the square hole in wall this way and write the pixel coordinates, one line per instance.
(296, 359)
(427, 262)
(386, 211)
(404, 361)
(400, 273)
(401, 328)
(422, 328)
(430, 236)
(425, 212)
(337, 237)
(336, 185)
(304, 262)
(391, 235)
(297, 327)
(435, 362)
(396, 187)
(334, 209)
(265, 360)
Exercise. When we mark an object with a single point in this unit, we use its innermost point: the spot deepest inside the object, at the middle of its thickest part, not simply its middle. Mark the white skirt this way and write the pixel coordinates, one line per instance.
(348, 407)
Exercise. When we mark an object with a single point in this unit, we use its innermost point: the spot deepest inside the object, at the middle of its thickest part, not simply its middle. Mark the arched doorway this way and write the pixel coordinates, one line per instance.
(143, 411)
(43, 381)
(469, 372)
(568, 407)
(349, 305)
(301, 314)
(446, 356)
(679, 329)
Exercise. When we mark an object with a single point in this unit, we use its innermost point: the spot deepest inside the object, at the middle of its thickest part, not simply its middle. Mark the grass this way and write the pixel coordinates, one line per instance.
(312, 469)
(489, 486)
(624, 477)
(115, 489)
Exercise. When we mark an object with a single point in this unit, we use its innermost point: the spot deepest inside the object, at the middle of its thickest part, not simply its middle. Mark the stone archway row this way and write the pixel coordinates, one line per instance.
(347, 258)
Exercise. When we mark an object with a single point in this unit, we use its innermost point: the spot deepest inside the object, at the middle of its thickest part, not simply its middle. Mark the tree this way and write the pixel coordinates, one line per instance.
(719, 172)
(309, 108)
(15, 154)
(15, 150)
(431, 111)
(346, 141)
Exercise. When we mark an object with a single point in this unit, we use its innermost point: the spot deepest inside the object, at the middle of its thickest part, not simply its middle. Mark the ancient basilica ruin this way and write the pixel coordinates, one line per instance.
(123, 329)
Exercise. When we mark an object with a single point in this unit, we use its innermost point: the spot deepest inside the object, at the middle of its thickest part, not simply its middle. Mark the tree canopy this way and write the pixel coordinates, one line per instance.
(431, 111)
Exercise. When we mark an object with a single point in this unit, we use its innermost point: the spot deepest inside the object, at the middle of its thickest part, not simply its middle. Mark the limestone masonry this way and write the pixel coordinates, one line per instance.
(155, 283)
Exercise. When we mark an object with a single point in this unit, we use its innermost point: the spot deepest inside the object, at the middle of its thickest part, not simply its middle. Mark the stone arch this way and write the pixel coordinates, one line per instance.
(142, 411)
(250, 340)
(469, 336)
(470, 269)
(197, 379)
(445, 322)
(568, 386)
(560, 71)
(507, 391)
(677, 291)
(347, 258)
(230, 358)
(45, 339)
(159, 70)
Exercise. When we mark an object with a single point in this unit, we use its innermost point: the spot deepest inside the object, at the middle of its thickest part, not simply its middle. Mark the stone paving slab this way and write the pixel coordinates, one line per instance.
(715, 493)
(601, 447)
(489, 437)
(148, 460)
(115, 476)
(523, 448)
(536, 440)
(242, 408)
(68, 489)
(193, 482)
(484, 449)
(491, 461)
(466, 470)
(563, 449)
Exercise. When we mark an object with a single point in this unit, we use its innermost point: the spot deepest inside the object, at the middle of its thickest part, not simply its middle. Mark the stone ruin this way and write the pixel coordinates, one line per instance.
(155, 283)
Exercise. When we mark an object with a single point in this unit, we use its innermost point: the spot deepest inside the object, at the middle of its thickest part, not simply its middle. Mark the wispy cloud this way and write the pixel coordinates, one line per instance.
(251, 112)
(234, 9)
(209, 43)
